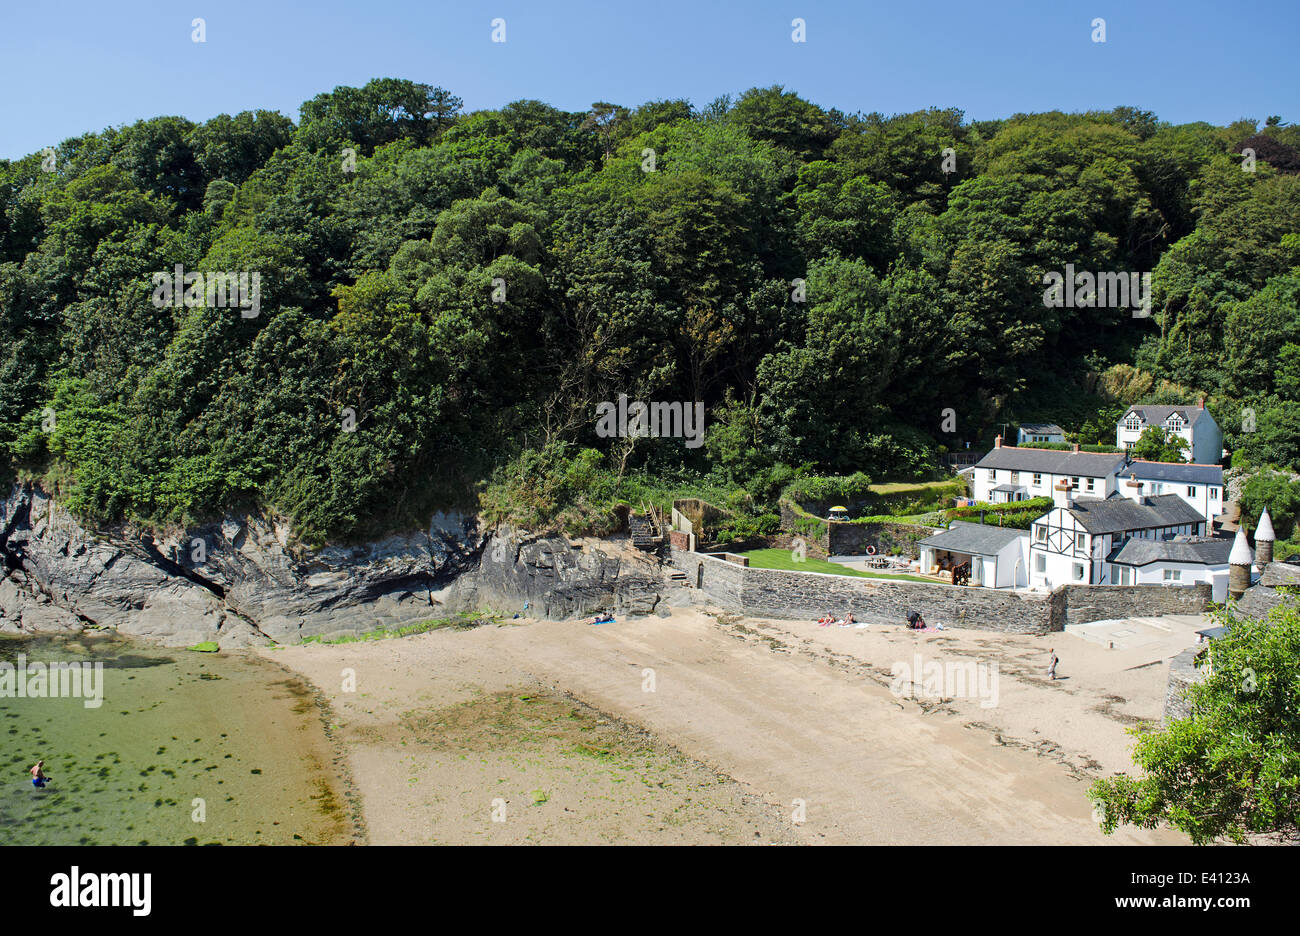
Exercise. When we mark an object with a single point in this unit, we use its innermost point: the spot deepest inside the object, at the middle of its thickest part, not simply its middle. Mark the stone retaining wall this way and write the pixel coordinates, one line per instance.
(1084, 603)
(844, 538)
(1182, 673)
(791, 595)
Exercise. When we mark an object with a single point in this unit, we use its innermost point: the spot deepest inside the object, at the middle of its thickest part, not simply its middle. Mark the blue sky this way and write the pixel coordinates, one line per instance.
(67, 68)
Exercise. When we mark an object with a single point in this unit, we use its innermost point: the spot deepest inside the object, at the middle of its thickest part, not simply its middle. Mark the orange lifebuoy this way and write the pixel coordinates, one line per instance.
(871, 550)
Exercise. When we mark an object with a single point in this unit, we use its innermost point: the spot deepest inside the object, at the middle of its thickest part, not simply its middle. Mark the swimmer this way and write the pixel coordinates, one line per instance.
(39, 779)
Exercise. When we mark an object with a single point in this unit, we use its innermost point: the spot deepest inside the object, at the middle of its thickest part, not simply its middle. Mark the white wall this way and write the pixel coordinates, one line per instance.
(1204, 447)
(1191, 573)
(984, 485)
(1206, 506)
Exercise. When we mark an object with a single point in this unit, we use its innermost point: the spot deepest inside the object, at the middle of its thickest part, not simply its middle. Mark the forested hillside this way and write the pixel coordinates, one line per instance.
(472, 285)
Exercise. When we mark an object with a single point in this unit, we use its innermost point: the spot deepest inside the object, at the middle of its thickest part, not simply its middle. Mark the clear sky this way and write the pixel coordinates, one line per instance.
(71, 67)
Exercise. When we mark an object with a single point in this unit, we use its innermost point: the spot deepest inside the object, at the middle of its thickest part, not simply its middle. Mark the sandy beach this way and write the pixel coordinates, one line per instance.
(706, 728)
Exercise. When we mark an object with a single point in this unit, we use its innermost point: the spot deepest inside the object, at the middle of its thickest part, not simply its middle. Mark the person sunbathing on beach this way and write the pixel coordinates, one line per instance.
(826, 620)
(848, 620)
(39, 778)
(603, 618)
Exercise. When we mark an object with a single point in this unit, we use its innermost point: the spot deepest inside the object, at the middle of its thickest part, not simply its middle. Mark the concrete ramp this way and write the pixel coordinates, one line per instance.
(1134, 632)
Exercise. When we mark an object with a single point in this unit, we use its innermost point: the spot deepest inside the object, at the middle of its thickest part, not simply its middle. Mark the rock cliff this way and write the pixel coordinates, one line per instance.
(242, 581)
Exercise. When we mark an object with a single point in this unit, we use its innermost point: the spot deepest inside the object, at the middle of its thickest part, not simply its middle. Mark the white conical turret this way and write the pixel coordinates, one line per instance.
(1264, 532)
(1240, 555)
(1239, 565)
(1264, 539)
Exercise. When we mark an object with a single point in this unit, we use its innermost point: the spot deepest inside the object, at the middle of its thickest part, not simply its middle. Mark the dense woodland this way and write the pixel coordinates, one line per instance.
(647, 250)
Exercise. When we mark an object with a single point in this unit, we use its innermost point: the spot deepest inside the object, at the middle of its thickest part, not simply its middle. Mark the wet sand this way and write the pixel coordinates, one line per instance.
(710, 729)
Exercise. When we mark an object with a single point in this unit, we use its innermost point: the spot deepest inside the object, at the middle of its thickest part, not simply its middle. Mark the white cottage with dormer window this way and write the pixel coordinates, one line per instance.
(1193, 424)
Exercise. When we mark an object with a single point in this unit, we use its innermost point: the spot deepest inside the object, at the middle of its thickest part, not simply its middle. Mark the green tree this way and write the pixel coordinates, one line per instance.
(1232, 768)
(1159, 444)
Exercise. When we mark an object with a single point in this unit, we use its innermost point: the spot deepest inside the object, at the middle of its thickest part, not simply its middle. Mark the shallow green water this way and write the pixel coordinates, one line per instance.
(175, 727)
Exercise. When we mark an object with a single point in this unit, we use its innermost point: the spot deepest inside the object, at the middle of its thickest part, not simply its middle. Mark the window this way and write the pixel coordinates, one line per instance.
(1191, 490)
(993, 474)
(1074, 483)
(1173, 575)
(1015, 477)
(1214, 493)
(1078, 540)
(1040, 533)
(1078, 571)
(1121, 575)
(1133, 422)
(1040, 563)
(1091, 482)
(1038, 479)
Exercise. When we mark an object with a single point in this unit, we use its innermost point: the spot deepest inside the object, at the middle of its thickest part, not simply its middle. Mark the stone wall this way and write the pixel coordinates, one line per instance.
(842, 538)
(721, 581)
(776, 593)
(1182, 673)
(1084, 603)
(791, 595)
(852, 539)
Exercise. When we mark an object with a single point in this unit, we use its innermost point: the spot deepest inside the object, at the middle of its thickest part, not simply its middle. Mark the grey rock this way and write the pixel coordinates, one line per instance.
(560, 579)
(243, 581)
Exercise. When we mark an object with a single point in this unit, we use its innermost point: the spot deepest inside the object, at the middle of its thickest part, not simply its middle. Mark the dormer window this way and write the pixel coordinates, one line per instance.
(1174, 422)
(1133, 422)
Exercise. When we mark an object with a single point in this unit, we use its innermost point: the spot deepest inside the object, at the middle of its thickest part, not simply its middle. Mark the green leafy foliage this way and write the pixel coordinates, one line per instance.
(1231, 769)
(447, 297)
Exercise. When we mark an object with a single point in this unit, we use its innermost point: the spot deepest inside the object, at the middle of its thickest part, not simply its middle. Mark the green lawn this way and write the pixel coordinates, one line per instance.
(911, 487)
(784, 559)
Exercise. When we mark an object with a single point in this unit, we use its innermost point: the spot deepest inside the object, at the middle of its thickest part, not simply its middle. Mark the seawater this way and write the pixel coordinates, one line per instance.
(187, 749)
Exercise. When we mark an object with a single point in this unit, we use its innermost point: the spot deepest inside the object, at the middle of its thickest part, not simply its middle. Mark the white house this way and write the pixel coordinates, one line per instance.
(1039, 432)
(1009, 473)
(1200, 485)
(1193, 423)
(998, 556)
(1182, 560)
(1072, 543)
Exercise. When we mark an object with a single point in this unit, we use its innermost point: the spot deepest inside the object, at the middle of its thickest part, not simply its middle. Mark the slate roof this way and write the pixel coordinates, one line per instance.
(1179, 472)
(1156, 415)
(1042, 428)
(1051, 461)
(1009, 488)
(1199, 550)
(978, 539)
(1117, 514)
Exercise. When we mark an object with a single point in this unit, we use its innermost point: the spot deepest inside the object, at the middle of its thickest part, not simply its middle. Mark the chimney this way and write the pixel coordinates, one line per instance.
(1076, 448)
(1239, 565)
(1264, 538)
(1202, 403)
(1063, 494)
(997, 442)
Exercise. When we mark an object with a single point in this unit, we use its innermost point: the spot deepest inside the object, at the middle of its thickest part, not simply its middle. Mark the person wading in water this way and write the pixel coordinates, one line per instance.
(39, 779)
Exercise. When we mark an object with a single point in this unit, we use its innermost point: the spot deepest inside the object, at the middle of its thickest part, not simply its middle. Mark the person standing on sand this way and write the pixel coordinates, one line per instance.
(39, 779)
(1051, 665)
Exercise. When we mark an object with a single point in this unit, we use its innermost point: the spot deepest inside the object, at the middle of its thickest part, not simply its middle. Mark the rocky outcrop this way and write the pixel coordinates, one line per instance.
(60, 578)
(560, 579)
(243, 581)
